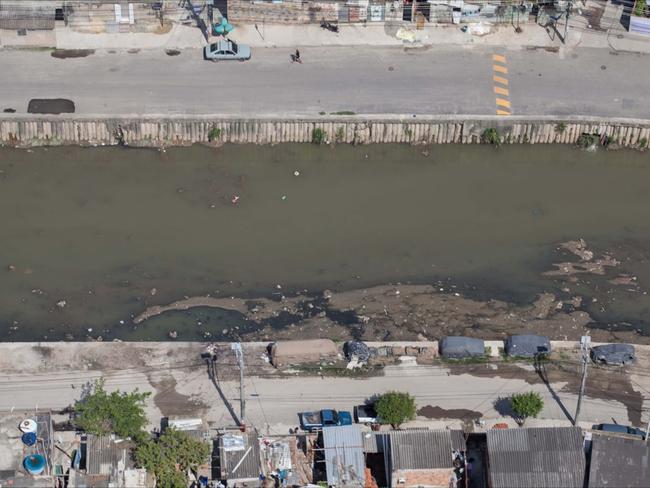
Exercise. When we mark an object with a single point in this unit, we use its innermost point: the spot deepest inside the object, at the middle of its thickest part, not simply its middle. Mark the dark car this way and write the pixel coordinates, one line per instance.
(620, 429)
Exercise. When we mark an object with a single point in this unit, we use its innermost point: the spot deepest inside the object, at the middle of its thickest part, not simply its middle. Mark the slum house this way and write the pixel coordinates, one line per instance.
(618, 461)
(536, 457)
(106, 462)
(416, 458)
(26, 449)
(345, 462)
(236, 459)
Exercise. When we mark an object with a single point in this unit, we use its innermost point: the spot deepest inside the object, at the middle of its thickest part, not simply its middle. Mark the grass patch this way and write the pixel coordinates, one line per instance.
(339, 136)
(214, 134)
(586, 141)
(560, 128)
(343, 112)
(318, 136)
(470, 360)
(491, 136)
(338, 370)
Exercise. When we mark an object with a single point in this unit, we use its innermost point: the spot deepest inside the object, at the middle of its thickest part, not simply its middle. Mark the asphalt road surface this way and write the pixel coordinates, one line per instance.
(368, 80)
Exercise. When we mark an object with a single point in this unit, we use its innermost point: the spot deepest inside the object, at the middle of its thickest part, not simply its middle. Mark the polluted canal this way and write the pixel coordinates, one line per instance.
(409, 242)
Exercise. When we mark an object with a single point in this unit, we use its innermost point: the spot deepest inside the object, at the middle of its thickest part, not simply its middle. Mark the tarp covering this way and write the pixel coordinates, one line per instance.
(527, 345)
(456, 347)
(613, 353)
(358, 349)
(296, 352)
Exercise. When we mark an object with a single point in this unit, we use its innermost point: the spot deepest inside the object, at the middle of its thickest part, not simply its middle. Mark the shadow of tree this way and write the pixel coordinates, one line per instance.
(503, 406)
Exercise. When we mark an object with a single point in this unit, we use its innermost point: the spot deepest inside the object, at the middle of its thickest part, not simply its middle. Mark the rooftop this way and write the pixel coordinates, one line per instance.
(237, 456)
(345, 462)
(536, 457)
(618, 461)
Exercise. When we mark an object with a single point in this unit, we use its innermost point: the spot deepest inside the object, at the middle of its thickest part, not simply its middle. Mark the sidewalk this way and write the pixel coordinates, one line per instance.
(592, 26)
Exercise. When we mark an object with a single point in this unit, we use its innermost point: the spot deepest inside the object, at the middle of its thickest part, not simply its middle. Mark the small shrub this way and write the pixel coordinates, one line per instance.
(318, 136)
(586, 141)
(322, 113)
(491, 136)
(560, 128)
(343, 112)
(395, 408)
(340, 134)
(643, 143)
(407, 131)
(214, 134)
(526, 405)
(639, 9)
(607, 140)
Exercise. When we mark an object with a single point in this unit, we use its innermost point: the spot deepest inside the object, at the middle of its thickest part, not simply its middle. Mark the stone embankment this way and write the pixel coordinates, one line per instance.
(161, 131)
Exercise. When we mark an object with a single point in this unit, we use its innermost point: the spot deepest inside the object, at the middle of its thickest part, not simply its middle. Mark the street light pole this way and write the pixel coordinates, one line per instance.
(584, 348)
(242, 397)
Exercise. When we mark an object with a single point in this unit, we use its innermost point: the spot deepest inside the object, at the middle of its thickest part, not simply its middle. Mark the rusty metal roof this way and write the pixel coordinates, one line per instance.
(537, 457)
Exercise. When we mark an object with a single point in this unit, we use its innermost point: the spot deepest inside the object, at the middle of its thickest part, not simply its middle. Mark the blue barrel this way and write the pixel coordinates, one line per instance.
(29, 438)
(34, 464)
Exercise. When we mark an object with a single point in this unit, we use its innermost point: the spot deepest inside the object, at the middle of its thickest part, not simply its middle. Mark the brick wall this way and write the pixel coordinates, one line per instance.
(422, 478)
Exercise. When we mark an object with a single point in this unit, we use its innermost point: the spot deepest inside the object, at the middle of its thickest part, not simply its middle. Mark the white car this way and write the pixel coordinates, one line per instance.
(226, 49)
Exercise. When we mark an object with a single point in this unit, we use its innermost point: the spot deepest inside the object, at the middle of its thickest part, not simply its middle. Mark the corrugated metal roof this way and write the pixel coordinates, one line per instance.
(103, 454)
(458, 440)
(536, 458)
(370, 442)
(243, 464)
(420, 449)
(618, 461)
(344, 460)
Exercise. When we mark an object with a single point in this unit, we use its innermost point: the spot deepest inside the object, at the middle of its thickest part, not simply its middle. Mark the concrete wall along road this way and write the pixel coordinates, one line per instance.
(156, 131)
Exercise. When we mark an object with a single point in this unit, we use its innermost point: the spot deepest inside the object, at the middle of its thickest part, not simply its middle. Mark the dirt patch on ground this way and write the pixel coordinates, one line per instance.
(172, 403)
(71, 53)
(436, 412)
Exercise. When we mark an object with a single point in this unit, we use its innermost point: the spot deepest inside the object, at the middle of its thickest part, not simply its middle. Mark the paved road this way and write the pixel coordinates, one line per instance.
(372, 80)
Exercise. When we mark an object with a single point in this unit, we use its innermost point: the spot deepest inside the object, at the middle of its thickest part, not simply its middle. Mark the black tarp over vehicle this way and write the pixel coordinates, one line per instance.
(527, 345)
(613, 354)
(455, 347)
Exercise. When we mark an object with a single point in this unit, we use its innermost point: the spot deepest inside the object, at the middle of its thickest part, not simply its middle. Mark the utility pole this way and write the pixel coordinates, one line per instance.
(236, 346)
(566, 25)
(584, 348)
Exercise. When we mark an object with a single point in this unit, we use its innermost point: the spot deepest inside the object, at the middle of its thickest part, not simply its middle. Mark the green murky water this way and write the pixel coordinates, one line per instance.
(111, 230)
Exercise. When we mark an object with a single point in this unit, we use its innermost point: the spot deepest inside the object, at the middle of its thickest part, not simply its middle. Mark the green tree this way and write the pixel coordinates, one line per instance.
(395, 408)
(526, 405)
(117, 412)
(170, 456)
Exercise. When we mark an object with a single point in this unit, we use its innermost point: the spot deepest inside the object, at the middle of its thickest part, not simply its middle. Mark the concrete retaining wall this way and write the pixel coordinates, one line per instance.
(182, 130)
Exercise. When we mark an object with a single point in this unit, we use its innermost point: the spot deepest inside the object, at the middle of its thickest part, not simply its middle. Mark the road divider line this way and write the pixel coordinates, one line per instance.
(501, 90)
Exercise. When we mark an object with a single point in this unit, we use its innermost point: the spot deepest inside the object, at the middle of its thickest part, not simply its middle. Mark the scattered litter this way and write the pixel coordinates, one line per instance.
(121, 322)
(234, 199)
(61, 304)
(296, 173)
(284, 197)
(90, 329)
(173, 334)
(153, 291)
(479, 29)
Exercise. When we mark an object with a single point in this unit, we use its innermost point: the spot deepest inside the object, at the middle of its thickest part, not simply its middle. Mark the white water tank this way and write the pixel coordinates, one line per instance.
(28, 425)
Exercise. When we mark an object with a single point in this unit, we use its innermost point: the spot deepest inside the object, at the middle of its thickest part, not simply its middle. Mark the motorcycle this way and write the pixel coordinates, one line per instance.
(329, 26)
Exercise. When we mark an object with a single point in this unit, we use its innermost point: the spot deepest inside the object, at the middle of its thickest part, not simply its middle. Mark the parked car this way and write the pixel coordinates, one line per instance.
(365, 414)
(325, 418)
(620, 429)
(226, 49)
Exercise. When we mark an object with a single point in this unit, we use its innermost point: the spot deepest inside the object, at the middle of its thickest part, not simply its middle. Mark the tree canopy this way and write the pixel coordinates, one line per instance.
(99, 412)
(395, 408)
(527, 404)
(170, 456)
